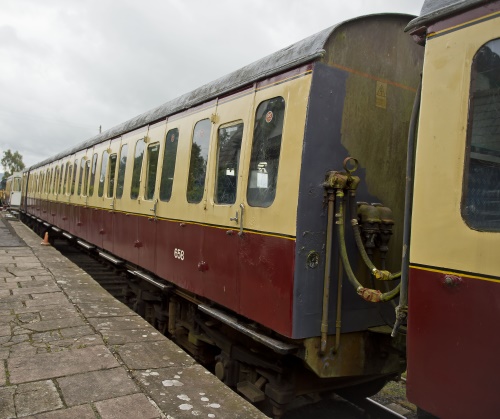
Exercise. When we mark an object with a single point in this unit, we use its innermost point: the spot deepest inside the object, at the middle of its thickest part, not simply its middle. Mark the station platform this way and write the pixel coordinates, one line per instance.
(68, 349)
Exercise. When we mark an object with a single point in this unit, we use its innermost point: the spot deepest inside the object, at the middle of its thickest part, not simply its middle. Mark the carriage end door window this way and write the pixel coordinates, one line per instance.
(481, 197)
(266, 148)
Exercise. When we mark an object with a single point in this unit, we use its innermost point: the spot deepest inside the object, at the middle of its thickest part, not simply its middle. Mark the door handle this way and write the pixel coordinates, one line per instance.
(154, 208)
(239, 218)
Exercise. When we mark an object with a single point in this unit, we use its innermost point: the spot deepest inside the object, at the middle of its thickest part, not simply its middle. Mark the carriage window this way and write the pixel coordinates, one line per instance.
(80, 178)
(198, 161)
(102, 174)
(121, 171)
(111, 175)
(92, 174)
(481, 200)
(16, 187)
(66, 177)
(228, 157)
(168, 169)
(75, 166)
(52, 180)
(136, 173)
(152, 162)
(86, 178)
(266, 148)
(47, 181)
(56, 181)
(61, 179)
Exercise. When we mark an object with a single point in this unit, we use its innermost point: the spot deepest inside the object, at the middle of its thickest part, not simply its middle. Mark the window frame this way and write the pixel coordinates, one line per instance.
(267, 116)
(234, 124)
(166, 187)
(474, 164)
(193, 190)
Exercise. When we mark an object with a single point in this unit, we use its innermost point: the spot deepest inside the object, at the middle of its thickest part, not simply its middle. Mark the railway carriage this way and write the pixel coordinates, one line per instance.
(12, 196)
(217, 201)
(454, 286)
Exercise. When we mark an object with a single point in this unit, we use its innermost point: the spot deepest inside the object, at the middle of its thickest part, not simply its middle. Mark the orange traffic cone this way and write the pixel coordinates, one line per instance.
(46, 239)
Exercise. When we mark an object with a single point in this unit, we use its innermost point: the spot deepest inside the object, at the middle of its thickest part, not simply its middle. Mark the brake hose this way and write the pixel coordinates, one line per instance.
(367, 294)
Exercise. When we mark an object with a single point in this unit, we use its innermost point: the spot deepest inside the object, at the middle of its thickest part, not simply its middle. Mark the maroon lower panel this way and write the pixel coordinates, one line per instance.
(179, 250)
(266, 275)
(125, 237)
(95, 229)
(146, 241)
(107, 231)
(250, 274)
(453, 341)
(82, 223)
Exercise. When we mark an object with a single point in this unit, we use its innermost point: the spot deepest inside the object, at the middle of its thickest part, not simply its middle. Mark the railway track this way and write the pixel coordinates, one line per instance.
(389, 403)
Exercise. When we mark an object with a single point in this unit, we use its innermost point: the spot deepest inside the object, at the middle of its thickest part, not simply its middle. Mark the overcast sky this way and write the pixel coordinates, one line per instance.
(69, 66)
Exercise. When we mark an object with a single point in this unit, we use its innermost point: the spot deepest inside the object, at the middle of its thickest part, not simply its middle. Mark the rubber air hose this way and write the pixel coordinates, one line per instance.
(367, 294)
(382, 275)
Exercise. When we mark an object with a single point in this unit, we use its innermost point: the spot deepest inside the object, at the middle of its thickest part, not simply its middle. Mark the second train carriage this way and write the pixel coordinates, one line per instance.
(13, 191)
(454, 294)
(220, 193)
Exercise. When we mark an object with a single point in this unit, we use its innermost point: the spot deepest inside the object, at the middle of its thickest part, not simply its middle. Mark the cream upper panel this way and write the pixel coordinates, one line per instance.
(440, 236)
(280, 217)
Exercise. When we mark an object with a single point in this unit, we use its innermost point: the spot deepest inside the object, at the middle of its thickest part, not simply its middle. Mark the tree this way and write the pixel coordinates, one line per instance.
(11, 162)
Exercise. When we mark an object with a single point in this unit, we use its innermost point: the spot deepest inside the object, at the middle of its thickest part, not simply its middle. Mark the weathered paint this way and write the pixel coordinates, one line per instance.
(344, 120)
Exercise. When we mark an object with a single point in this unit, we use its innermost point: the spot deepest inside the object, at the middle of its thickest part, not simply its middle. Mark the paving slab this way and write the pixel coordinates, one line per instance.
(7, 285)
(35, 290)
(133, 335)
(118, 323)
(3, 376)
(102, 309)
(151, 355)
(36, 397)
(47, 281)
(77, 412)
(21, 278)
(5, 330)
(128, 407)
(52, 313)
(193, 391)
(59, 364)
(54, 324)
(96, 385)
(7, 406)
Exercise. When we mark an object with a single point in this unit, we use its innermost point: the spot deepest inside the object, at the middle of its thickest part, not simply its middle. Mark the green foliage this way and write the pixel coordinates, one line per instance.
(11, 162)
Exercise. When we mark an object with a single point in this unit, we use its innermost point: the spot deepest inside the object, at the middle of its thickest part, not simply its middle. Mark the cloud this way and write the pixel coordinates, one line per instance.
(70, 66)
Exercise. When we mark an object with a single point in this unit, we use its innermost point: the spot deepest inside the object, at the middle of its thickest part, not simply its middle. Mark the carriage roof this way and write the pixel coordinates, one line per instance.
(433, 10)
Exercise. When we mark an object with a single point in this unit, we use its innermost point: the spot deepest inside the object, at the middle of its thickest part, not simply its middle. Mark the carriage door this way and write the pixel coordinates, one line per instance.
(221, 245)
(148, 223)
(106, 190)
